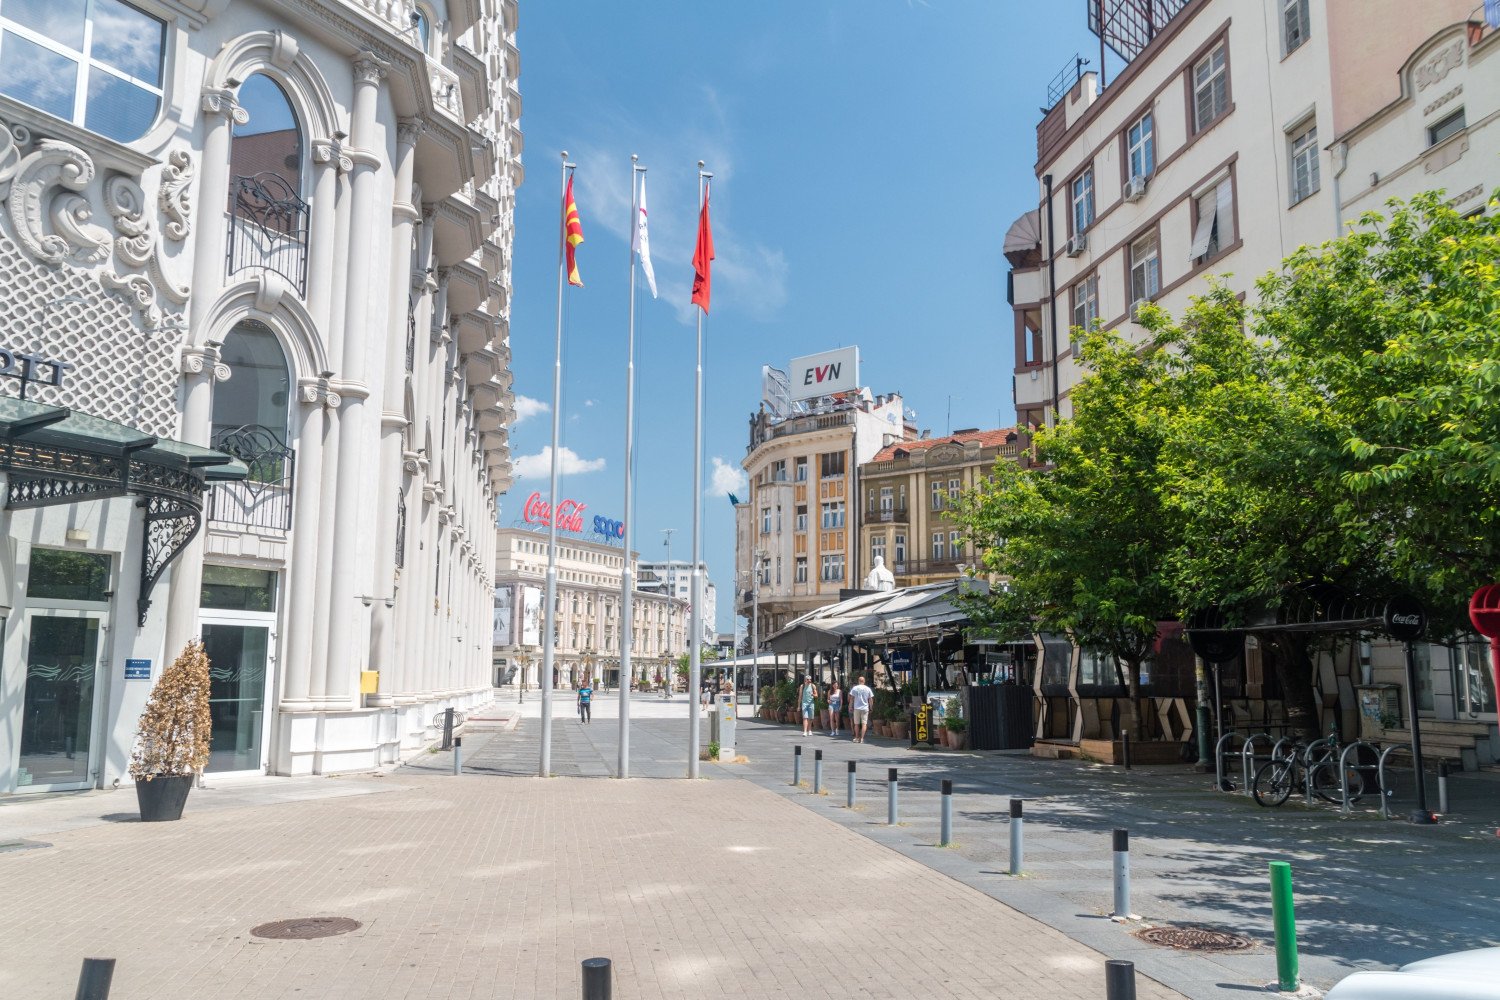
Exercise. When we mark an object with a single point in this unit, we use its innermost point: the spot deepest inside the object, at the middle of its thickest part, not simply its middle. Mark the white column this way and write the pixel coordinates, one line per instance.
(329, 162)
(392, 422)
(201, 369)
(221, 112)
(351, 555)
(301, 654)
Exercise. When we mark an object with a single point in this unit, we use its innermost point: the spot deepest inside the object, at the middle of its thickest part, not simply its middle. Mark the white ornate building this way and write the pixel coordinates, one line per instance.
(271, 232)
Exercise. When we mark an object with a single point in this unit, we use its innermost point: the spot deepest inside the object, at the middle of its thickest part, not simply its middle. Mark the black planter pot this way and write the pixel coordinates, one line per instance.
(163, 797)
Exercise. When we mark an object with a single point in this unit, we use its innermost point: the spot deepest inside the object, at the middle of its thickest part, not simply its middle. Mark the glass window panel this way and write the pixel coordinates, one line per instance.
(127, 39)
(238, 588)
(237, 694)
(61, 575)
(60, 20)
(46, 80)
(118, 109)
(58, 707)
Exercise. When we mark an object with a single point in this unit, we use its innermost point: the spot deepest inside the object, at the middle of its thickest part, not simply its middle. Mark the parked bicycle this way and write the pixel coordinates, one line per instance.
(1315, 765)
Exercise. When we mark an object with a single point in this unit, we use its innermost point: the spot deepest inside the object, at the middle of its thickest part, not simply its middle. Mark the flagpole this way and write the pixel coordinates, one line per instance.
(627, 618)
(549, 614)
(695, 626)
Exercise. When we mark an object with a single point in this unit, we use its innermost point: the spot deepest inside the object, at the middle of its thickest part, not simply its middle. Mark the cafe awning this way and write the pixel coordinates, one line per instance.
(870, 617)
(53, 455)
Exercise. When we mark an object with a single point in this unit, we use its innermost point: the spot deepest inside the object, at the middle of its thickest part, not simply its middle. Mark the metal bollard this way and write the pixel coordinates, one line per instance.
(1122, 875)
(1119, 980)
(1443, 787)
(1125, 749)
(946, 836)
(458, 755)
(447, 729)
(598, 979)
(1017, 857)
(1284, 919)
(851, 785)
(817, 772)
(797, 765)
(891, 783)
(94, 979)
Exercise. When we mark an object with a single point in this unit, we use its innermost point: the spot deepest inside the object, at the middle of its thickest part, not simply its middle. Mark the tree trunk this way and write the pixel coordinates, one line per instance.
(1294, 669)
(1131, 718)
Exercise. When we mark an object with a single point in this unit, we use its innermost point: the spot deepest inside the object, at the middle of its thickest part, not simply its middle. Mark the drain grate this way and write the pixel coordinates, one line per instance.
(1194, 939)
(305, 928)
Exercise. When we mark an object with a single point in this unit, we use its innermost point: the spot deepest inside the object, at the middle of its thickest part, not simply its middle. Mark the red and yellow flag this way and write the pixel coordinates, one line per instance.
(572, 234)
(703, 255)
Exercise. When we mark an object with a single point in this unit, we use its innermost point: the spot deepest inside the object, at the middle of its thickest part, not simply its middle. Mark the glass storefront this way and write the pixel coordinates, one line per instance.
(238, 618)
(58, 708)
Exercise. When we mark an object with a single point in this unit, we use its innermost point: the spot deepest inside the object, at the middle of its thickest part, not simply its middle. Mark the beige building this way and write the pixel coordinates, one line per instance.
(799, 525)
(908, 491)
(1231, 138)
(589, 633)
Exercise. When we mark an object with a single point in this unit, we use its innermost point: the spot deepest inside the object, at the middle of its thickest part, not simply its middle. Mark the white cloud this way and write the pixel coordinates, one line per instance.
(526, 408)
(539, 466)
(726, 479)
(589, 402)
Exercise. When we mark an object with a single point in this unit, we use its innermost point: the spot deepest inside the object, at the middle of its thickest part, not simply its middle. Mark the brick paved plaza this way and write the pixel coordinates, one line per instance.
(485, 886)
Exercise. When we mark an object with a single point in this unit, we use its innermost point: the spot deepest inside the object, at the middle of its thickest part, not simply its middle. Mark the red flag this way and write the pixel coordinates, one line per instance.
(572, 234)
(703, 255)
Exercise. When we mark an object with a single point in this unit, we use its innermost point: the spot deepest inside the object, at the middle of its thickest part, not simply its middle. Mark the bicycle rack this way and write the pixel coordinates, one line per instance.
(1276, 750)
(1219, 760)
(1308, 764)
(1344, 774)
(1248, 758)
(1385, 796)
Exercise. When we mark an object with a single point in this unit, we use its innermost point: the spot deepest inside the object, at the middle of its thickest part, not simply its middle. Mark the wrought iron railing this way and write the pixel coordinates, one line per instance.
(268, 228)
(400, 528)
(262, 501)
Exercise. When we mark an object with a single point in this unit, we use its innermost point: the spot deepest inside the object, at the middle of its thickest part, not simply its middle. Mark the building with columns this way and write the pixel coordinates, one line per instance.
(675, 577)
(589, 633)
(256, 272)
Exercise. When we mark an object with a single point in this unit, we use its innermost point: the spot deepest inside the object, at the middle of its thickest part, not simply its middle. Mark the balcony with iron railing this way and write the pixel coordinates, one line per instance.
(262, 501)
(897, 514)
(268, 224)
(927, 567)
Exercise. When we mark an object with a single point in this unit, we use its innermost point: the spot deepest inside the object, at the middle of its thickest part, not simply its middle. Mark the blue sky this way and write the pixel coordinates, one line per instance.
(868, 157)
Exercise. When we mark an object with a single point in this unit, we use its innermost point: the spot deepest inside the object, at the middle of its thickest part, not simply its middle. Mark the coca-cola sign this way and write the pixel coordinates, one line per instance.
(569, 513)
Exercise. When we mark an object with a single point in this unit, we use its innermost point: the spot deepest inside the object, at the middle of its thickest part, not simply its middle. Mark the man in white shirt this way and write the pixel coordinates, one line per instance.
(859, 708)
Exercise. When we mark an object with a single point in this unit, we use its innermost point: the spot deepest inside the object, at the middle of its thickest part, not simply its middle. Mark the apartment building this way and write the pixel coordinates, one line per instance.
(796, 533)
(675, 577)
(908, 492)
(1234, 134)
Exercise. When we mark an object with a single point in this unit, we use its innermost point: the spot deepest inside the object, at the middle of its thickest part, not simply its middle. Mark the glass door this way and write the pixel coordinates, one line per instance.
(237, 659)
(1474, 680)
(62, 663)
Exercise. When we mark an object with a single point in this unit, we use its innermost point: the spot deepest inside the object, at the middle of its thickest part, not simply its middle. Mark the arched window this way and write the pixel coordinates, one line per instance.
(95, 63)
(422, 22)
(269, 227)
(259, 384)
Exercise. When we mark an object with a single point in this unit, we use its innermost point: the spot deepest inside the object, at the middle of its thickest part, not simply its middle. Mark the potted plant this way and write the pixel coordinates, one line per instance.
(957, 731)
(897, 720)
(172, 742)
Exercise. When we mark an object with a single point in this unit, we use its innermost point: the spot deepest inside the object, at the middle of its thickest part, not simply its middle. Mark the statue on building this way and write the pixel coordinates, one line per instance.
(880, 578)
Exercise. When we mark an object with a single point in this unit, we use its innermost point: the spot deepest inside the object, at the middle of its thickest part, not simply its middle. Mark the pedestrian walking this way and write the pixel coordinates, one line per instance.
(809, 704)
(585, 698)
(859, 708)
(835, 705)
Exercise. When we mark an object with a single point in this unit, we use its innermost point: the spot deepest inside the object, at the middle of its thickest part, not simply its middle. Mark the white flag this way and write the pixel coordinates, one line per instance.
(642, 241)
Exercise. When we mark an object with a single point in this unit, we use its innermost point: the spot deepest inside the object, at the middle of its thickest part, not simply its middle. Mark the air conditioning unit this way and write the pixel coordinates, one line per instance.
(1077, 244)
(1137, 307)
(1135, 189)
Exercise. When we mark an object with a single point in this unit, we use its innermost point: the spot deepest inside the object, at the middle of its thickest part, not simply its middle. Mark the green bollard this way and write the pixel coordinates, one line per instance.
(1285, 922)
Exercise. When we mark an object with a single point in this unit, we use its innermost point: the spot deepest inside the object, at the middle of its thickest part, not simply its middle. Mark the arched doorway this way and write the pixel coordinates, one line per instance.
(269, 217)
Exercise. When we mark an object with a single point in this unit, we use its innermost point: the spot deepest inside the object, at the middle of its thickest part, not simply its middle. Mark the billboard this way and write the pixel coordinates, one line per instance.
(775, 392)
(824, 374)
(531, 616)
(505, 615)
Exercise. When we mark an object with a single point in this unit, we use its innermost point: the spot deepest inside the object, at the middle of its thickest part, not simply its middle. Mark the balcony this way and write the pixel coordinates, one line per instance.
(262, 501)
(897, 514)
(268, 228)
(927, 567)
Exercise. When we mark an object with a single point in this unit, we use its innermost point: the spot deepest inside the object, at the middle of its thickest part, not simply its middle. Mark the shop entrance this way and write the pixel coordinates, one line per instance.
(239, 635)
(57, 722)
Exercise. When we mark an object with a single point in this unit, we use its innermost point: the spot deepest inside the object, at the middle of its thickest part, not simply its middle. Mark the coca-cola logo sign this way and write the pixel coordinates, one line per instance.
(569, 513)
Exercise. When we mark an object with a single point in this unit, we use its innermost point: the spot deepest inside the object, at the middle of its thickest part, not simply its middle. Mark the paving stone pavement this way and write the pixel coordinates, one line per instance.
(486, 886)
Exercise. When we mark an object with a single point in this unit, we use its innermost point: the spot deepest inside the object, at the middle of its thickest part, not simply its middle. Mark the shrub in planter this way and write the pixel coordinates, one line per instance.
(958, 728)
(172, 740)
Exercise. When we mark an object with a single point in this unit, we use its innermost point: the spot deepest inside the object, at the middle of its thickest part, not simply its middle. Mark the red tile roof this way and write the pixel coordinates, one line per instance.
(986, 439)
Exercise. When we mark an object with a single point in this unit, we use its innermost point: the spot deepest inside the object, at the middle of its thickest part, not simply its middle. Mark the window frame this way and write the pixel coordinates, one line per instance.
(801, 515)
(1303, 13)
(1219, 45)
(1146, 145)
(765, 520)
(938, 493)
(86, 63)
(1076, 298)
(799, 469)
(828, 560)
(1081, 193)
(1131, 263)
(877, 547)
(1458, 114)
(833, 515)
(1217, 245)
(939, 545)
(800, 568)
(1302, 141)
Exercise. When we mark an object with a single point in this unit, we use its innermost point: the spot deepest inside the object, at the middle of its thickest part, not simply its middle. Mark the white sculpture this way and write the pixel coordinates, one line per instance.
(880, 578)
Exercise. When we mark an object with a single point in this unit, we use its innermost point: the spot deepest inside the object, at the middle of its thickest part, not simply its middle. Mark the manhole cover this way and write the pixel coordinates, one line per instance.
(1194, 939)
(305, 928)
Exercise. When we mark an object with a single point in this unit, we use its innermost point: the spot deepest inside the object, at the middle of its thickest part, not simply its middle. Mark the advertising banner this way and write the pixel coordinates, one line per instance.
(505, 615)
(531, 616)
(824, 374)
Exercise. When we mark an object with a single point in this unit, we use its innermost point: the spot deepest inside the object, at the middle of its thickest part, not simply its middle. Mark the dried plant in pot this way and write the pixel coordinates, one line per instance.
(172, 741)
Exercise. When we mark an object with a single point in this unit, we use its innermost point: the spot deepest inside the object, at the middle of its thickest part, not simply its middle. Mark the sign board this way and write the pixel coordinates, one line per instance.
(901, 661)
(824, 374)
(505, 615)
(1405, 618)
(531, 616)
(921, 729)
(137, 670)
